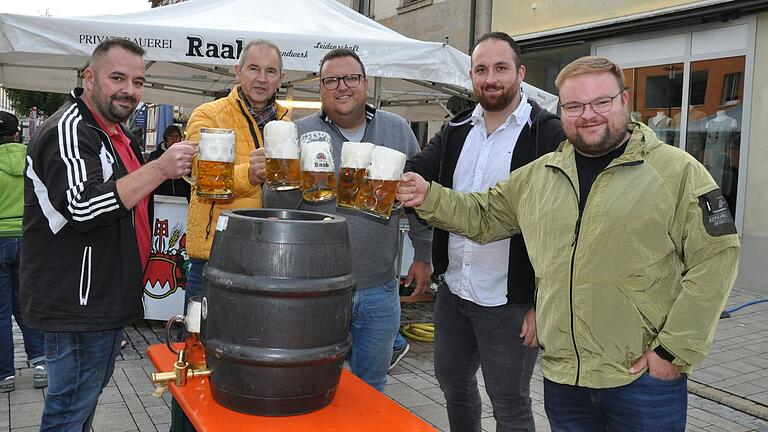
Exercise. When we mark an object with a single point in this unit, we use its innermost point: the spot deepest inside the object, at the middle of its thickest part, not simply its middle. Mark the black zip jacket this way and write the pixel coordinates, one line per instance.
(438, 160)
(80, 264)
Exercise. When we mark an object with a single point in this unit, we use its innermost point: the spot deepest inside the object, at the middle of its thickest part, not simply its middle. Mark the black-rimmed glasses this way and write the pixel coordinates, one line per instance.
(351, 81)
(600, 105)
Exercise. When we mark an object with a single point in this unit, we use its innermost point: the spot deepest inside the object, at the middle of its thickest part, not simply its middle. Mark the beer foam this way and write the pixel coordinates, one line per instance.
(386, 164)
(316, 156)
(216, 147)
(281, 140)
(356, 154)
(193, 318)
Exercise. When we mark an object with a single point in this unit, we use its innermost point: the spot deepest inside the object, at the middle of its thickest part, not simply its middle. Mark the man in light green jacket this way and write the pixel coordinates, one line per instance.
(634, 250)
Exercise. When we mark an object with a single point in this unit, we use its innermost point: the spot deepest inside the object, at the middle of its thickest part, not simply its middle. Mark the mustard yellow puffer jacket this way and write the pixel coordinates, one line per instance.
(232, 113)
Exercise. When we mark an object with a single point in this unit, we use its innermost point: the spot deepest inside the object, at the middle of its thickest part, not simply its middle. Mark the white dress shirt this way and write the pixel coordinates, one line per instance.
(476, 272)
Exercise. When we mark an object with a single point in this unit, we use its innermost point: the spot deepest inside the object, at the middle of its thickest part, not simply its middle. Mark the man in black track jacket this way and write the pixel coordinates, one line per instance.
(86, 231)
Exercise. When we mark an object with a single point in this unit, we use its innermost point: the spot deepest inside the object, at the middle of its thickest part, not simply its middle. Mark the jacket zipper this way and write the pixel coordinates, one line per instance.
(574, 243)
(576, 230)
(85, 276)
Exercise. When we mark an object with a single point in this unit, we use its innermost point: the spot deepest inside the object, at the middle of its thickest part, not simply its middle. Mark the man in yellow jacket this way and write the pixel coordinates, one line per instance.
(634, 249)
(247, 108)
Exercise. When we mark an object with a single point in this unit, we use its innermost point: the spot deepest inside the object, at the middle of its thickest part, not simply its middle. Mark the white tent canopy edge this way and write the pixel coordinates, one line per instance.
(191, 47)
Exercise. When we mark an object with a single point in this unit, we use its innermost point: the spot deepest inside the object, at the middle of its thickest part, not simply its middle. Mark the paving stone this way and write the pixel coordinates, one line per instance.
(159, 414)
(109, 395)
(27, 414)
(433, 414)
(20, 396)
(406, 396)
(113, 417)
(143, 422)
(35, 428)
(133, 403)
(414, 381)
(151, 401)
(434, 393)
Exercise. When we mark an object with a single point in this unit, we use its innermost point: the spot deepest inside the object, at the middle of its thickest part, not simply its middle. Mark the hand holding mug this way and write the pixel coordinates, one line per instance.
(257, 171)
(413, 189)
(177, 160)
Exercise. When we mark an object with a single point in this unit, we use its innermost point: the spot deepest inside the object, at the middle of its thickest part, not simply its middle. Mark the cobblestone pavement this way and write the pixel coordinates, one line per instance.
(729, 390)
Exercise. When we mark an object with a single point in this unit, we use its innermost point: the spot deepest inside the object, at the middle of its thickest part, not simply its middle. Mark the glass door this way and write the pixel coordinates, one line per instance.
(714, 120)
(656, 98)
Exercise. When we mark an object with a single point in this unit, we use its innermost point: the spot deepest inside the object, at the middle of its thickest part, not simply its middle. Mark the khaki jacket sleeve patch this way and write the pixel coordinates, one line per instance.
(716, 216)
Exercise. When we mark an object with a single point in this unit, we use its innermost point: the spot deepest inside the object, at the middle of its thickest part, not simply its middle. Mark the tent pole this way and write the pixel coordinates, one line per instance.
(377, 92)
(289, 98)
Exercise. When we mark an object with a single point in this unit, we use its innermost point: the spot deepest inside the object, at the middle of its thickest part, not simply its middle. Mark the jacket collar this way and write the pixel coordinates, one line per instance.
(234, 97)
(76, 97)
(370, 113)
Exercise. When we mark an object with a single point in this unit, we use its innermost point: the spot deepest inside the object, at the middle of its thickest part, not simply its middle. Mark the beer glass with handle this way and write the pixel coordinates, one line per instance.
(376, 196)
(281, 147)
(355, 158)
(214, 174)
(191, 322)
(318, 172)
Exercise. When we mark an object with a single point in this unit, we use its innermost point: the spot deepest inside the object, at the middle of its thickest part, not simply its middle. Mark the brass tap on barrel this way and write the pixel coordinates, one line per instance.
(181, 372)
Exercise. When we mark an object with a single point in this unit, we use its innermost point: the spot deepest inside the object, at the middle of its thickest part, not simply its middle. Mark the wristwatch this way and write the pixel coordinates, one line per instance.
(663, 353)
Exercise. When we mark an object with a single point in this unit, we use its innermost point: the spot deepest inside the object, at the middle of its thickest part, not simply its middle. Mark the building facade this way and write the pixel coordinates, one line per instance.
(696, 72)
(450, 21)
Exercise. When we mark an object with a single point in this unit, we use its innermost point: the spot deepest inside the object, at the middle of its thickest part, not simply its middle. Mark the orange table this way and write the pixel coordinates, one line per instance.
(356, 407)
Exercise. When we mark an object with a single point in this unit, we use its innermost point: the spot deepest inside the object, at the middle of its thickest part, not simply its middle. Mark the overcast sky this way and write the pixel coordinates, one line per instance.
(63, 8)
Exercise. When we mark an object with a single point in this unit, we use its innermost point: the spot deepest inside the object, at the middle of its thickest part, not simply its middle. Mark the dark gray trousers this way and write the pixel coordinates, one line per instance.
(468, 337)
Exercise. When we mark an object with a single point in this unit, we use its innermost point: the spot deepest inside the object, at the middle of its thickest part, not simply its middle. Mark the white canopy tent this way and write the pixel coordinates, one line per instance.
(192, 46)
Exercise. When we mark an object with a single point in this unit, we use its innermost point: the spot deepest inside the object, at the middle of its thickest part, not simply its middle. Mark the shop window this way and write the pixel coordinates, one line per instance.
(714, 123)
(543, 66)
(655, 98)
(731, 89)
(363, 6)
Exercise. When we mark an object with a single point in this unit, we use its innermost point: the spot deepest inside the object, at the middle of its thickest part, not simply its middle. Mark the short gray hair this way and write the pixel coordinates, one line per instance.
(260, 42)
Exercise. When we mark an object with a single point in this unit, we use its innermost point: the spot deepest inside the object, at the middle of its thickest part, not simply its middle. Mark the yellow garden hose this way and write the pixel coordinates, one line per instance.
(423, 332)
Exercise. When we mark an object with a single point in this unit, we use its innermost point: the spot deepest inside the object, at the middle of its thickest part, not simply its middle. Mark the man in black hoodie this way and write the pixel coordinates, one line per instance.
(484, 312)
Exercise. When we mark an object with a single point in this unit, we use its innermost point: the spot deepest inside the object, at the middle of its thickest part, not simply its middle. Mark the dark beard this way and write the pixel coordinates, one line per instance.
(114, 113)
(609, 142)
(495, 104)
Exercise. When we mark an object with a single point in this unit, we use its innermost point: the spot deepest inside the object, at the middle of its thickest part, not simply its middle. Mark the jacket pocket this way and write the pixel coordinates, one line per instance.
(85, 276)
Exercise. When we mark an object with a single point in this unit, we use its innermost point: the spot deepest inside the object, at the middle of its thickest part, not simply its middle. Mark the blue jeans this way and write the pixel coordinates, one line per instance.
(10, 306)
(375, 321)
(194, 280)
(469, 336)
(646, 405)
(80, 365)
(399, 341)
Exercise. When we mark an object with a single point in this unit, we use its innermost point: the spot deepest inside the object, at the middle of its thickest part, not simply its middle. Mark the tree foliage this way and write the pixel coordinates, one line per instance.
(22, 101)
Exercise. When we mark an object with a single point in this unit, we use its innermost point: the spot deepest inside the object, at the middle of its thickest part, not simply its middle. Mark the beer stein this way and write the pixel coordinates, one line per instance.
(214, 176)
(191, 323)
(355, 158)
(376, 196)
(318, 173)
(281, 147)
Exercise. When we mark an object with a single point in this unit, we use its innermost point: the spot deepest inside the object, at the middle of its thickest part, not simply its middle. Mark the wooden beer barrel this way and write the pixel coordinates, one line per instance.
(278, 302)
